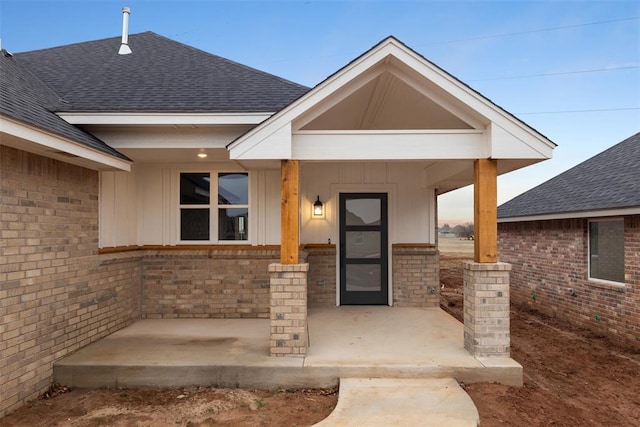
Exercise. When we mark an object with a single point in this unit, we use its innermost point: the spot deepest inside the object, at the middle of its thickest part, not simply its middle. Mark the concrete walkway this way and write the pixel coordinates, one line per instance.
(405, 402)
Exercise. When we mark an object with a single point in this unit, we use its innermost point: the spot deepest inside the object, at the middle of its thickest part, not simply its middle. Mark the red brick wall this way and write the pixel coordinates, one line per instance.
(550, 257)
(56, 293)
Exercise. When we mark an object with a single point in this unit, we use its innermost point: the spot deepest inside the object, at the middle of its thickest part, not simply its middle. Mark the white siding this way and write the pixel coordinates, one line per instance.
(118, 219)
(141, 207)
(411, 202)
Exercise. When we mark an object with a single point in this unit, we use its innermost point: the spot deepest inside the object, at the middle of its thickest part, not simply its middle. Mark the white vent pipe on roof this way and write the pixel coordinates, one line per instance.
(124, 47)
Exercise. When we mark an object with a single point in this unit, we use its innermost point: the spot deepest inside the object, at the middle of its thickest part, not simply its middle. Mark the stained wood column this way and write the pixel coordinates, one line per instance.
(289, 238)
(485, 210)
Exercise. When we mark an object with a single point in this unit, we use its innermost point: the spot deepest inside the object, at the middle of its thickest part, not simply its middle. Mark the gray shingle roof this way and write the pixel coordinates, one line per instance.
(161, 75)
(608, 180)
(25, 98)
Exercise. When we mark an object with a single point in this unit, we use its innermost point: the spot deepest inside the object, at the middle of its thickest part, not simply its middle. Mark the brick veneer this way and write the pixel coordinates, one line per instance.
(322, 275)
(56, 293)
(416, 277)
(550, 257)
(486, 309)
(220, 283)
(289, 335)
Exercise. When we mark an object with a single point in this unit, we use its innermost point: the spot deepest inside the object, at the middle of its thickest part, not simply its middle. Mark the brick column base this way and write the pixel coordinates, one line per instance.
(486, 309)
(289, 335)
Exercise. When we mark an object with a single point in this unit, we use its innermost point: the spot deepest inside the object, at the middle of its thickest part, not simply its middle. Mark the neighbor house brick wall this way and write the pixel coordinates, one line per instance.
(550, 257)
(416, 276)
(56, 293)
(225, 283)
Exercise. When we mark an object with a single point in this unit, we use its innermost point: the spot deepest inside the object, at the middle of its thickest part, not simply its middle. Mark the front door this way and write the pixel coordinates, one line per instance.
(363, 249)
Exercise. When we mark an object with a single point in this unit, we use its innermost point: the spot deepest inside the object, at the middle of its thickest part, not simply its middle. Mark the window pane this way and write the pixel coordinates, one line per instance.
(363, 244)
(194, 188)
(194, 224)
(606, 250)
(233, 224)
(363, 277)
(363, 212)
(233, 189)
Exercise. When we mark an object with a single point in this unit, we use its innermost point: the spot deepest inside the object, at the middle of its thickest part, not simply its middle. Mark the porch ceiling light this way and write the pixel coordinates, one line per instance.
(202, 154)
(318, 208)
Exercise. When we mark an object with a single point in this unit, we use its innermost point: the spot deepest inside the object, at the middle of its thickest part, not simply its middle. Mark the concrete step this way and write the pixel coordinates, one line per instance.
(402, 402)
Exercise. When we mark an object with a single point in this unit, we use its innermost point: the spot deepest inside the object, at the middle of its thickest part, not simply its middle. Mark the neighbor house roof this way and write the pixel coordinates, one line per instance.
(161, 75)
(26, 99)
(607, 181)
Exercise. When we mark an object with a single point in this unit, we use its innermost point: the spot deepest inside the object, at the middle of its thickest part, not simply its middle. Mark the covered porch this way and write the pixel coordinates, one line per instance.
(345, 342)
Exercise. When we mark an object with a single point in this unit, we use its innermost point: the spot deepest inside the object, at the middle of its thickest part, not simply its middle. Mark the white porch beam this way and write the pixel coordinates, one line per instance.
(389, 145)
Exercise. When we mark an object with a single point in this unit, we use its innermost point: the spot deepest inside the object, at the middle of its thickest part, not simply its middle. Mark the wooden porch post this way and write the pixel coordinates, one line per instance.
(289, 237)
(485, 210)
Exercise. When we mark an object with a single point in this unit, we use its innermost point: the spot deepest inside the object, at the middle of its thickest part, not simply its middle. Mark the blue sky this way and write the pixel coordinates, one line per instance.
(535, 59)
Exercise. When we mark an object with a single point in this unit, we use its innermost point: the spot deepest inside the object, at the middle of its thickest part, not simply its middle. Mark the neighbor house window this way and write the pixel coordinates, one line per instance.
(213, 217)
(606, 250)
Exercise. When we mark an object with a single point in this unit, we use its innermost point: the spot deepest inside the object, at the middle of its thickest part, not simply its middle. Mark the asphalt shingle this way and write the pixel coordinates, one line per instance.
(161, 75)
(25, 98)
(609, 180)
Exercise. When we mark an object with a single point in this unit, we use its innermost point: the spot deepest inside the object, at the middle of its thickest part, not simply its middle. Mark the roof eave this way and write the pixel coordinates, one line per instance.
(595, 213)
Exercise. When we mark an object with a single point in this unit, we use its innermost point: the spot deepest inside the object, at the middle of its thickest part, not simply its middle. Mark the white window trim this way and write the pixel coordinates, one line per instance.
(214, 207)
(596, 280)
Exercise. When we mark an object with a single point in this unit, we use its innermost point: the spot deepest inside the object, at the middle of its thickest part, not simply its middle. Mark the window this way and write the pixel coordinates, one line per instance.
(199, 209)
(606, 250)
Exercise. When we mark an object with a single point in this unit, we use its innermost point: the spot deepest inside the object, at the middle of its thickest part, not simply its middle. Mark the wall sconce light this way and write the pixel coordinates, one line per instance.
(318, 208)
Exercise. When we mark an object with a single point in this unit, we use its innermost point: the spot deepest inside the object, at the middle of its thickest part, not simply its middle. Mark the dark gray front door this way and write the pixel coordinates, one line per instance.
(363, 249)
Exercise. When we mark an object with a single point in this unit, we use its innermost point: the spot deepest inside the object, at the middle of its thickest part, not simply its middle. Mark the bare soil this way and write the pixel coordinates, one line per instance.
(572, 377)
(197, 406)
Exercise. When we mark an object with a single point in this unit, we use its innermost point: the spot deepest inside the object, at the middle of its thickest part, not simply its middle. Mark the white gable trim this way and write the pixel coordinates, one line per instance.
(391, 53)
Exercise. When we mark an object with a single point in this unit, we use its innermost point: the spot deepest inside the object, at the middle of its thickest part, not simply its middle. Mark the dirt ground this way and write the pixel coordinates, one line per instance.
(197, 406)
(572, 377)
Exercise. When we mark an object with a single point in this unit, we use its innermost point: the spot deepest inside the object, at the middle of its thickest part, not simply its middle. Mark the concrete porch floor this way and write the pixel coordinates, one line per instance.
(347, 342)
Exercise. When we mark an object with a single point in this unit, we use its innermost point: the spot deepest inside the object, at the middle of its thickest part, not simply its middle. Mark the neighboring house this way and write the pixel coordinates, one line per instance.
(172, 183)
(574, 244)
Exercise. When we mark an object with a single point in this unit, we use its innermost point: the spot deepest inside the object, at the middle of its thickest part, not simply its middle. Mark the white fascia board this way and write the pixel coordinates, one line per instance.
(571, 215)
(165, 118)
(51, 142)
(389, 145)
(275, 146)
(505, 145)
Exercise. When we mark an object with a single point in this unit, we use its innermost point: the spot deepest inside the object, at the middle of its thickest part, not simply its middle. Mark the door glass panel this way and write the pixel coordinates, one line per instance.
(363, 212)
(363, 244)
(363, 277)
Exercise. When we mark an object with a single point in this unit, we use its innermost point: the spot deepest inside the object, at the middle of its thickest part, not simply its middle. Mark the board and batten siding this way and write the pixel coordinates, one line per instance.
(141, 207)
(412, 205)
